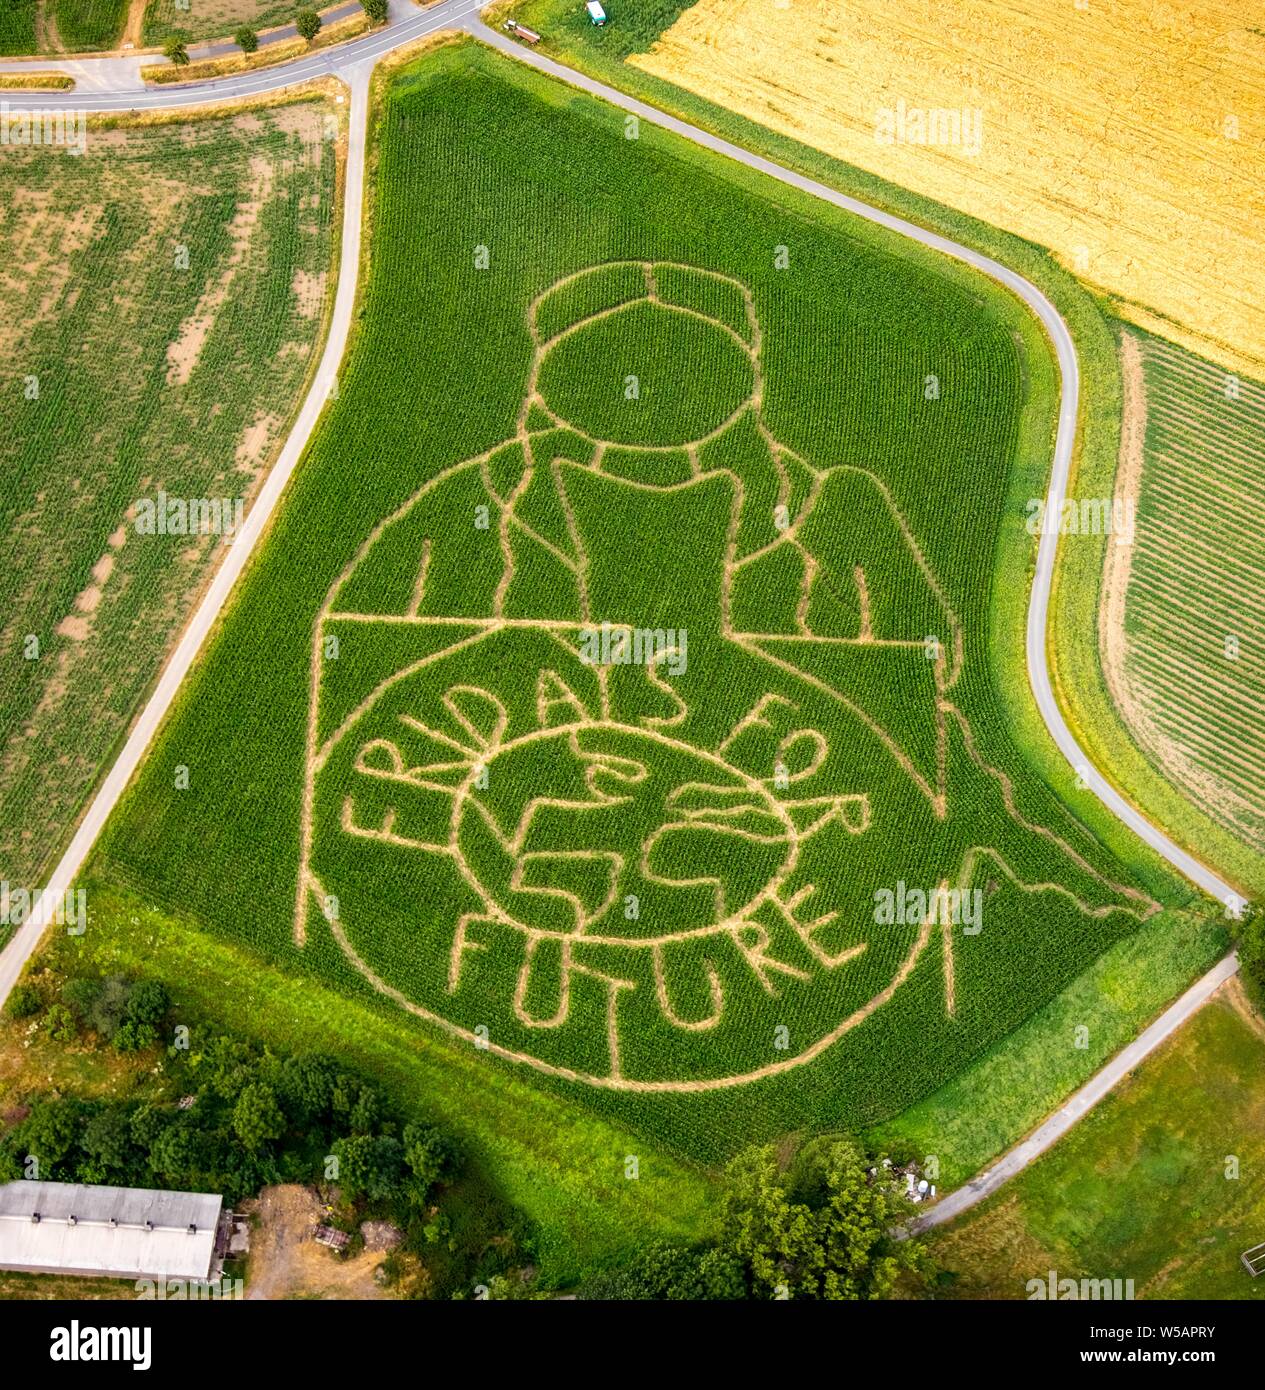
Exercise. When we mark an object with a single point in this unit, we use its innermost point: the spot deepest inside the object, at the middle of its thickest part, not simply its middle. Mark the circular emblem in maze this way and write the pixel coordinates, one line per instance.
(543, 825)
(604, 717)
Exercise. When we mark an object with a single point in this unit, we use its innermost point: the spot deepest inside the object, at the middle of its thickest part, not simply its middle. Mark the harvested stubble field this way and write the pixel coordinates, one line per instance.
(165, 295)
(606, 385)
(1128, 138)
(1182, 626)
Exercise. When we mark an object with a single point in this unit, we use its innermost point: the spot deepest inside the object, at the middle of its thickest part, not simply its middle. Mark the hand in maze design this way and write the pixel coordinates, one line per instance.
(576, 861)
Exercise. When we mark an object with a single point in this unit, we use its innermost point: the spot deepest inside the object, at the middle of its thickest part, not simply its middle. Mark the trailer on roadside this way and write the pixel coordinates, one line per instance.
(521, 31)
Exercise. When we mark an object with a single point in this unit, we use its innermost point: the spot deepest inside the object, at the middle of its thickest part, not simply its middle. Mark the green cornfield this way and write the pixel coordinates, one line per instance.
(17, 27)
(612, 695)
(88, 26)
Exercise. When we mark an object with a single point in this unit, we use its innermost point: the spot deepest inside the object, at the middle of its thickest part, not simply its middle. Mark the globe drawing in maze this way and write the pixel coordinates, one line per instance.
(616, 727)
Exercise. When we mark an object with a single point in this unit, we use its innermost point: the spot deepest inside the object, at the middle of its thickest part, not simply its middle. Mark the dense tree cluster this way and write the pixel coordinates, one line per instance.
(232, 1117)
(816, 1228)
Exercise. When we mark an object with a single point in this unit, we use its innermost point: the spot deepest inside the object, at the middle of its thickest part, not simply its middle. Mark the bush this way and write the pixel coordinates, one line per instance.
(108, 1007)
(23, 1002)
(176, 51)
(246, 39)
(308, 23)
(60, 1024)
(663, 1271)
(376, 10)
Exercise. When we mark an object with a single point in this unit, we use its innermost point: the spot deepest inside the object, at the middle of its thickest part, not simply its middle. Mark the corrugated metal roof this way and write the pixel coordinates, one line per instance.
(109, 1234)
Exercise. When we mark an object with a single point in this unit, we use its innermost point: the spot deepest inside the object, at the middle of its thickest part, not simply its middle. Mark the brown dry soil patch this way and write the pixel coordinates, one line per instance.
(134, 29)
(285, 1262)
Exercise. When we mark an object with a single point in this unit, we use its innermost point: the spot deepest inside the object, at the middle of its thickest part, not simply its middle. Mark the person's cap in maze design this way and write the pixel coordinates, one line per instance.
(645, 353)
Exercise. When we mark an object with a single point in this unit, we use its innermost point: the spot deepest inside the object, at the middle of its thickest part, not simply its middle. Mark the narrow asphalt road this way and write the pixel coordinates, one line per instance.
(1080, 1104)
(353, 62)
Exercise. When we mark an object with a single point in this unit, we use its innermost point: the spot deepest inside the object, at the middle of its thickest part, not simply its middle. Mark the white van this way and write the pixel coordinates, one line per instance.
(596, 13)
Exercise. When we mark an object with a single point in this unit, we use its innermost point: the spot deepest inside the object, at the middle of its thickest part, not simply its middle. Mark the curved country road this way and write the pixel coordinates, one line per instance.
(113, 85)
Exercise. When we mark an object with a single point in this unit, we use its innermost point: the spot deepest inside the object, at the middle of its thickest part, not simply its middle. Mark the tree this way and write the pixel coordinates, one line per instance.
(366, 1112)
(430, 1154)
(148, 1122)
(308, 23)
(176, 51)
(23, 1002)
(49, 1135)
(107, 1138)
(257, 1117)
(229, 1065)
(819, 1230)
(305, 1085)
(177, 1154)
(369, 1166)
(246, 39)
(1251, 947)
(376, 10)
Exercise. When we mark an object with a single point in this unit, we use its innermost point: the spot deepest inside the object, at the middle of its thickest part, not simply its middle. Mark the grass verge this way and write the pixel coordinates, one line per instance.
(1159, 1184)
(166, 74)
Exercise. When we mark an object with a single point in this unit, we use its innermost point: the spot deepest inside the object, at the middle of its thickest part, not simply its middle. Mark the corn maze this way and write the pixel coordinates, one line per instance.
(612, 696)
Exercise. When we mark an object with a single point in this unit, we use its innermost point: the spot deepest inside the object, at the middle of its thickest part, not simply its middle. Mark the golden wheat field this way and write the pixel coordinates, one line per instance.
(1129, 137)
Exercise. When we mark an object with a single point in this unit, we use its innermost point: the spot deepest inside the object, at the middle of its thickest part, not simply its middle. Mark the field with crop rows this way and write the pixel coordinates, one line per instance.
(213, 19)
(87, 26)
(1127, 137)
(1184, 638)
(17, 27)
(165, 293)
(612, 398)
